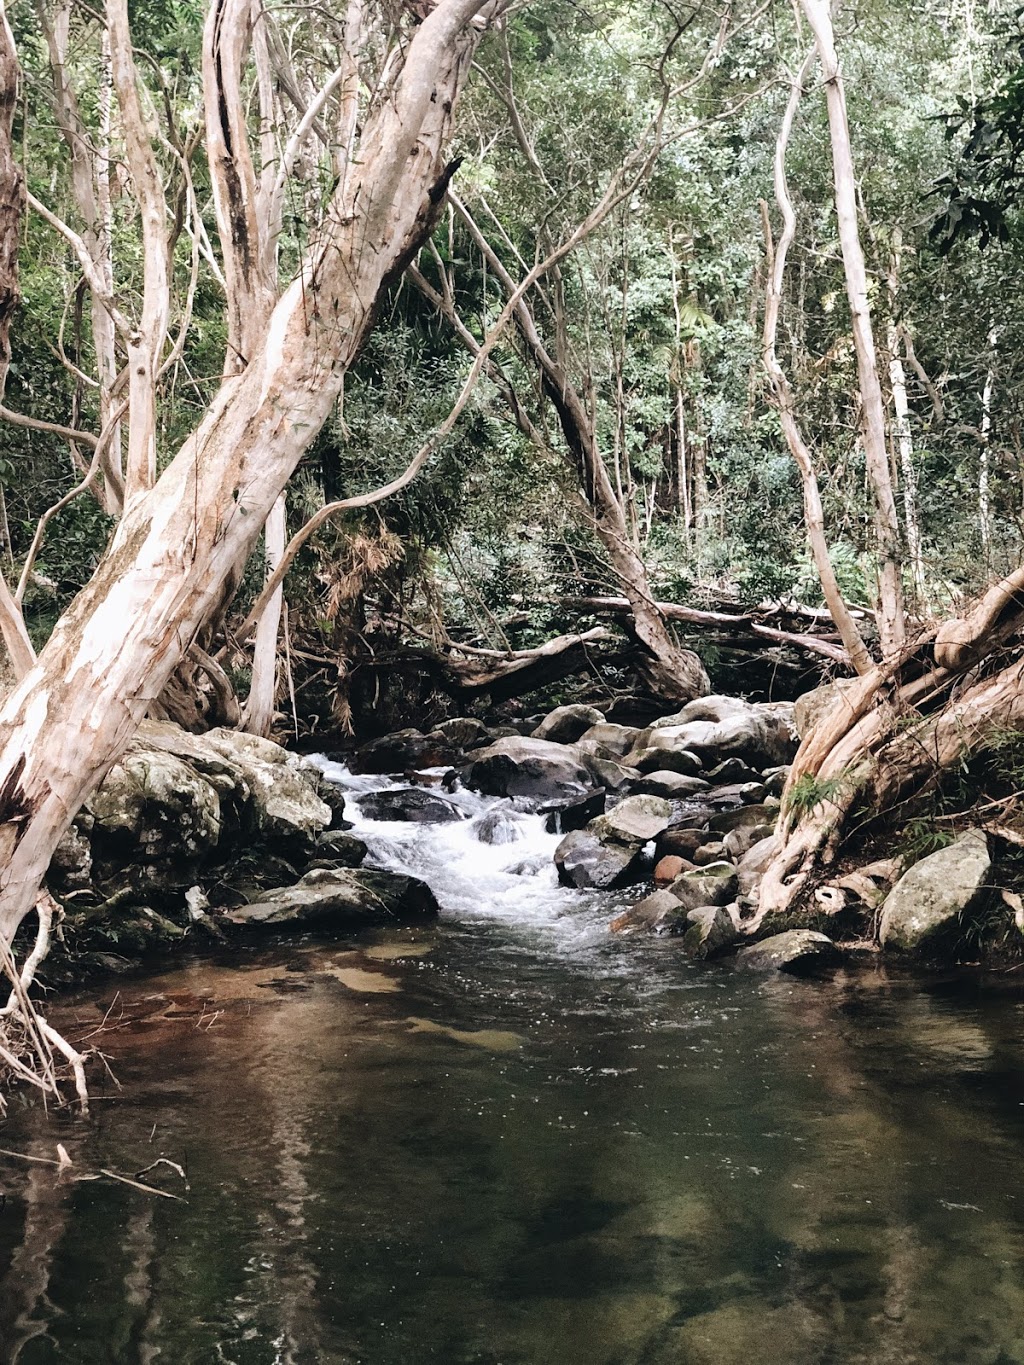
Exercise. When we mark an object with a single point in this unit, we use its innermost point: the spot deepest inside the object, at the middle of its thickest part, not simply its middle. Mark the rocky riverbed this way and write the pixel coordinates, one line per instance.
(194, 838)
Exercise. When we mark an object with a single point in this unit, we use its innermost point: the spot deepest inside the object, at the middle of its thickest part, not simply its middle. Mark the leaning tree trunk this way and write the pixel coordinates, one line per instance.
(113, 650)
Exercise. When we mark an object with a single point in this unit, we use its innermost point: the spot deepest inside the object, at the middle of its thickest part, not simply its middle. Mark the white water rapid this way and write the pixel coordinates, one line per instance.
(513, 881)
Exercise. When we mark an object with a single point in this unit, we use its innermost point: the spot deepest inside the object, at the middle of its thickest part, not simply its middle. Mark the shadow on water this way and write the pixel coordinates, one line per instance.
(533, 1145)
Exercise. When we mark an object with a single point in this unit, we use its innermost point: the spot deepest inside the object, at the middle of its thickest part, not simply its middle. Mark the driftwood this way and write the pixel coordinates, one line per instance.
(741, 623)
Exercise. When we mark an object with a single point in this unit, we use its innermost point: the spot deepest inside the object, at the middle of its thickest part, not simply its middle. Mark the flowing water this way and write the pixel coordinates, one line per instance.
(510, 1139)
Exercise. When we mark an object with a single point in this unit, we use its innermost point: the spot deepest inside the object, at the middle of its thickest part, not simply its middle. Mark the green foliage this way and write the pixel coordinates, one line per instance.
(808, 792)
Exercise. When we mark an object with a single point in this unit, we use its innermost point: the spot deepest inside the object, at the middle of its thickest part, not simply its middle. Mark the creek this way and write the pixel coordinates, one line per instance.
(512, 1139)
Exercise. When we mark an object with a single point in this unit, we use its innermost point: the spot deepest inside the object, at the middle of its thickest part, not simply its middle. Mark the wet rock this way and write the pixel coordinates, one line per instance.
(732, 772)
(409, 804)
(662, 754)
(659, 912)
(574, 814)
(583, 860)
(712, 885)
(568, 723)
(711, 932)
(608, 851)
(464, 732)
(752, 866)
(403, 750)
(634, 821)
(682, 843)
(671, 785)
(610, 774)
(799, 951)
(667, 870)
(614, 739)
(497, 827)
(529, 767)
(338, 848)
(714, 852)
(930, 901)
(743, 817)
(334, 798)
(339, 899)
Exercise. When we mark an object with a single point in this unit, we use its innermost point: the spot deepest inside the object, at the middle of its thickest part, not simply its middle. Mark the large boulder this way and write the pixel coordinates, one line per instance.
(710, 931)
(409, 804)
(633, 821)
(929, 902)
(714, 707)
(537, 768)
(801, 952)
(761, 735)
(156, 808)
(608, 738)
(497, 826)
(657, 913)
(711, 885)
(277, 788)
(585, 861)
(566, 724)
(607, 852)
(339, 899)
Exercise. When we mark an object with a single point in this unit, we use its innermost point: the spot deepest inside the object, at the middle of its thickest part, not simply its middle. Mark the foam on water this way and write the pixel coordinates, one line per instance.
(514, 882)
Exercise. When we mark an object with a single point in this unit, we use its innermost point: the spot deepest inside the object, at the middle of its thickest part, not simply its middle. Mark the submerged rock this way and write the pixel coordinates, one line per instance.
(409, 804)
(497, 827)
(566, 724)
(799, 951)
(339, 899)
(538, 768)
(659, 912)
(929, 901)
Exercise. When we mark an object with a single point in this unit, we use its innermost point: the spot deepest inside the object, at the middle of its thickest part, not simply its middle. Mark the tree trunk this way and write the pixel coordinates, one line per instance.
(258, 717)
(113, 650)
(891, 623)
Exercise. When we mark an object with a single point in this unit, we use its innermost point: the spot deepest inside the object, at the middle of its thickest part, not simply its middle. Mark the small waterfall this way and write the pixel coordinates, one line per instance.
(508, 875)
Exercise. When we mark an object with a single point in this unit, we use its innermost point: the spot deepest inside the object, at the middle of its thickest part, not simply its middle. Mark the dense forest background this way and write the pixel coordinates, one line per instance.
(654, 318)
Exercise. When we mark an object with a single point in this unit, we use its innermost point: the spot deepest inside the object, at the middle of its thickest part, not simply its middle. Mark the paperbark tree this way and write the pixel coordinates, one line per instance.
(891, 622)
(178, 542)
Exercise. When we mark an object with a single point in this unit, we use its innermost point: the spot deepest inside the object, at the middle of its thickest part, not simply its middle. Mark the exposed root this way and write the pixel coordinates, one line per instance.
(893, 734)
(27, 1041)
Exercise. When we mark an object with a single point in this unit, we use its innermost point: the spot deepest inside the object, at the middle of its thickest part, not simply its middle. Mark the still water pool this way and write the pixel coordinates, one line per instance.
(511, 1140)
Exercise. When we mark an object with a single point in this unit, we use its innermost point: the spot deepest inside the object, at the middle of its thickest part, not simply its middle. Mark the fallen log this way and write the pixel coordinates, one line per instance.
(814, 642)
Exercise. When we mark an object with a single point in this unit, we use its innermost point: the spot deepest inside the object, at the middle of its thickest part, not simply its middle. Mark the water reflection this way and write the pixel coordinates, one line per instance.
(668, 1165)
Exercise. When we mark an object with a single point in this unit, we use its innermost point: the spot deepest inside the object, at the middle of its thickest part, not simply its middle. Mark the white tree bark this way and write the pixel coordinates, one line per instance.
(891, 622)
(258, 716)
(814, 518)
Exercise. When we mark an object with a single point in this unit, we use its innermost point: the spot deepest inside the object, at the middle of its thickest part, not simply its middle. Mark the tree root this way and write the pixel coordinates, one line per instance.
(27, 1041)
